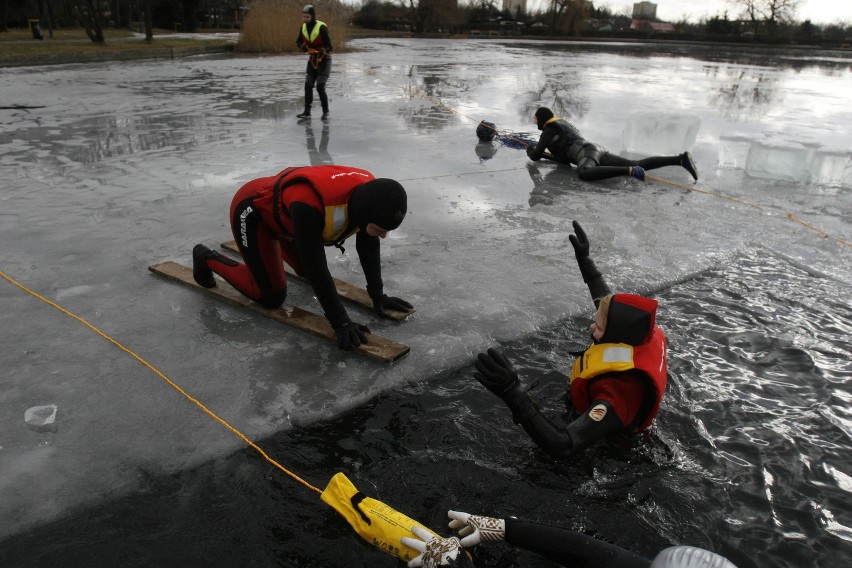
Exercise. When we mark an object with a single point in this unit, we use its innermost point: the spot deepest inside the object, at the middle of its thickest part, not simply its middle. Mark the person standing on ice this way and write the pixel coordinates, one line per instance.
(567, 146)
(291, 216)
(314, 40)
(616, 385)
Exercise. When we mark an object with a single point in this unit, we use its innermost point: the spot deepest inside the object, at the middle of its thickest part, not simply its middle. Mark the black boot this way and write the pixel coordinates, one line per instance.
(689, 165)
(200, 271)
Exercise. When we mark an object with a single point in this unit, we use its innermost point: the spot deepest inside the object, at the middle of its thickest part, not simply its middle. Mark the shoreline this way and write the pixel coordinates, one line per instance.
(100, 54)
(59, 58)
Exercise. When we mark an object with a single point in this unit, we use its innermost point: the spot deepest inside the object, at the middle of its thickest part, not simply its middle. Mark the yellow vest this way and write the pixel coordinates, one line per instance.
(603, 358)
(311, 37)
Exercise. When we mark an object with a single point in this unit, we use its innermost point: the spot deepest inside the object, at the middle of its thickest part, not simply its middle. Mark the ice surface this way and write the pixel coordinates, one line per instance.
(660, 134)
(132, 164)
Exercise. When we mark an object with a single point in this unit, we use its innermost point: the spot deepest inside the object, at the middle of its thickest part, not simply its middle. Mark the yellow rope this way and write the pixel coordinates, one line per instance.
(316, 57)
(817, 229)
(704, 191)
(165, 378)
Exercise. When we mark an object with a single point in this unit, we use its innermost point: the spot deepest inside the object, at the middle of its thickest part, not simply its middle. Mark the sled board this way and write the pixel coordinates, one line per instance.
(345, 290)
(378, 347)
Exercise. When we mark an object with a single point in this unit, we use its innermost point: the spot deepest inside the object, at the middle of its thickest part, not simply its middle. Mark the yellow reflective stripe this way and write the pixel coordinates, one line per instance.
(336, 221)
(314, 32)
(617, 354)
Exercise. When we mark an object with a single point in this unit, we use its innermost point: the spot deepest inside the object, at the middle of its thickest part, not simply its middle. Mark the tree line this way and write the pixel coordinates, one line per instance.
(768, 21)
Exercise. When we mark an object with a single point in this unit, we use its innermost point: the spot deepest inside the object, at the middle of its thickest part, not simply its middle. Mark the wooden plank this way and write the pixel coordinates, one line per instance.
(345, 290)
(378, 347)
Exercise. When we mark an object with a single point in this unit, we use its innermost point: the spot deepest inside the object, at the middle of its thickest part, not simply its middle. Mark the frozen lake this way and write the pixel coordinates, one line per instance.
(125, 165)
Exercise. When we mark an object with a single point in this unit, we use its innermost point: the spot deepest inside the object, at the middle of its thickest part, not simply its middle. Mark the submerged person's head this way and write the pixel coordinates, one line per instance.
(624, 318)
(382, 203)
(542, 115)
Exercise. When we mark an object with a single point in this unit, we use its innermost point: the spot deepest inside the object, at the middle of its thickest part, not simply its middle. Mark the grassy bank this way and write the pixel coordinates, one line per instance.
(17, 47)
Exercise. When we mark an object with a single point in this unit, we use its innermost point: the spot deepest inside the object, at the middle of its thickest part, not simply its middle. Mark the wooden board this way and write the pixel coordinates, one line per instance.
(345, 290)
(377, 348)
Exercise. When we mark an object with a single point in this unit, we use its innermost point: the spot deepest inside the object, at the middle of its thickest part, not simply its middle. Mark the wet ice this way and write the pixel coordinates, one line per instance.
(132, 164)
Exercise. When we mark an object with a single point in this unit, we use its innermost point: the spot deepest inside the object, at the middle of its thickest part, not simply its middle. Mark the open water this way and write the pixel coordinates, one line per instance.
(125, 165)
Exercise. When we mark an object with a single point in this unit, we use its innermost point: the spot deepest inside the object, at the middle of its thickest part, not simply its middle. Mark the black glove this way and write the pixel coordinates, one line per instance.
(349, 334)
(496, 373)
(580, 242)
(385, 302)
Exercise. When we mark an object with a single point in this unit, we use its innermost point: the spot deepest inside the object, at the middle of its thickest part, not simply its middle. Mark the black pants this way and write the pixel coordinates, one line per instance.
(317, 74)
(596, 163)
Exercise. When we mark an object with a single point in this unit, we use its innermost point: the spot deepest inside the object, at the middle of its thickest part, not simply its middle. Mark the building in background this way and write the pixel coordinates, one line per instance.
(643, 11)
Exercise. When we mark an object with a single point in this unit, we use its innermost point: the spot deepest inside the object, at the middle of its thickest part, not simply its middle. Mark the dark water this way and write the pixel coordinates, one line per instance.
(750, 456)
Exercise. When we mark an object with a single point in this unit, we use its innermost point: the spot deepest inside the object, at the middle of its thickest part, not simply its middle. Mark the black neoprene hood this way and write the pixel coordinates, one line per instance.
(542, 115)
(631, 319)
(381, 201)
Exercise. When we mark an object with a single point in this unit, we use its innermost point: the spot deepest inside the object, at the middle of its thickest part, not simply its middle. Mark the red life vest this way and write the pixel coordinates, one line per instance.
(332, 185)
(649, 358)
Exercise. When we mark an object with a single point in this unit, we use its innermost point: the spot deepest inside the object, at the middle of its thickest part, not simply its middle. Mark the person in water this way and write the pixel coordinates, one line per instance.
(567, 547)
(567, 146)
(616, 385)
(291, 216)
(315, 40)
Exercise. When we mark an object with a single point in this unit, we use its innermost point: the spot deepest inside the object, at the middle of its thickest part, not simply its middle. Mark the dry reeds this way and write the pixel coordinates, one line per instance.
(271, 26)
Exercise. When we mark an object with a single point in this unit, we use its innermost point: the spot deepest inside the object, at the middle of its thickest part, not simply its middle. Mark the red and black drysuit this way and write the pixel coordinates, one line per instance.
(292, 216)
(567, 146)
(619, 396)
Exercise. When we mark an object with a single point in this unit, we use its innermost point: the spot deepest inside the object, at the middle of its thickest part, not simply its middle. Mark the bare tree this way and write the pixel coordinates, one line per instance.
(428, 15)
(768, 13)
(90, 17)
(567, 15)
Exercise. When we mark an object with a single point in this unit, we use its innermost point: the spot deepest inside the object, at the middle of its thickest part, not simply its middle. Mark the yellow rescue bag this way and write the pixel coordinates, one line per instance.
(377, 523)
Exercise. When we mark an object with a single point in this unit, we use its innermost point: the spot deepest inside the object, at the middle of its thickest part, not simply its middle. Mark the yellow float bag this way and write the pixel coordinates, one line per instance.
(377, 523)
